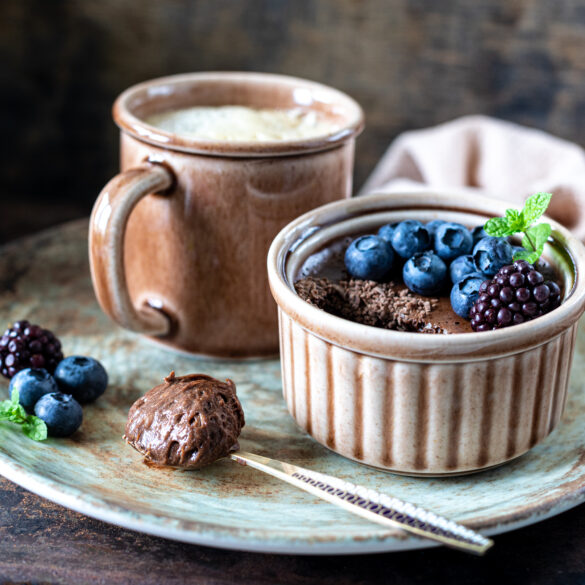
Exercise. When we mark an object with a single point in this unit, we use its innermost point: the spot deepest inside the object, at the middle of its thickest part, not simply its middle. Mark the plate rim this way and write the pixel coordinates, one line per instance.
(244, 539)
(240, 539)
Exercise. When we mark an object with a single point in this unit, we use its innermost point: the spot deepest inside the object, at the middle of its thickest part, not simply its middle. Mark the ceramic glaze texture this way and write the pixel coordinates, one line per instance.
(424, 418)
(208, 271)
(192, 268)
(416, 403)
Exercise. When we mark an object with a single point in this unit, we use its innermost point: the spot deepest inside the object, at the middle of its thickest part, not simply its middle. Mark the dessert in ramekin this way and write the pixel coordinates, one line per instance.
(415, 403)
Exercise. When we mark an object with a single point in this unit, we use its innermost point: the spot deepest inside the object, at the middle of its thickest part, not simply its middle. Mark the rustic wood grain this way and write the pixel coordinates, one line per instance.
(411, 63)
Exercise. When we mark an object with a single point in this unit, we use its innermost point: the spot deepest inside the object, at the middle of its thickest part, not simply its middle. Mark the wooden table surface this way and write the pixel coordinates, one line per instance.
(41, 542)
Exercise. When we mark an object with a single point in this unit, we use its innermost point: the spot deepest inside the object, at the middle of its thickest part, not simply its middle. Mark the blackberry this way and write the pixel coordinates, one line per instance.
(28, 346)
(517, 293)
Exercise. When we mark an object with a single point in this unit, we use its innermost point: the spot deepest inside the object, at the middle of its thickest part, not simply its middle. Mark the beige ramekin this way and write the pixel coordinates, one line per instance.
(413, 403)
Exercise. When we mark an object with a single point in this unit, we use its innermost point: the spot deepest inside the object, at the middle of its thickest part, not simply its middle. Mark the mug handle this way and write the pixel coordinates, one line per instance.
(107, 228)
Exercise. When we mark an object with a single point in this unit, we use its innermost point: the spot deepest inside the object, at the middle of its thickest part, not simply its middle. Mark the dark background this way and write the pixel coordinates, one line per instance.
(410, 63)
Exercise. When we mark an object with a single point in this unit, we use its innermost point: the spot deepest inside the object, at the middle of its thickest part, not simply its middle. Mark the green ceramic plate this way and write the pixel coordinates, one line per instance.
(46, 279)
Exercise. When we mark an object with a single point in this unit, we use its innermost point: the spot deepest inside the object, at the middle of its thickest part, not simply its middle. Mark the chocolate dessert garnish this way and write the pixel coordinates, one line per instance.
(349, 277)
(386, 305)
(187, 421)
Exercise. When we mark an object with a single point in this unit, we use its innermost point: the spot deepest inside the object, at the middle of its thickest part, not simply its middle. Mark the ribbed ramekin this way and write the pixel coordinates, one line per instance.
(414, 403)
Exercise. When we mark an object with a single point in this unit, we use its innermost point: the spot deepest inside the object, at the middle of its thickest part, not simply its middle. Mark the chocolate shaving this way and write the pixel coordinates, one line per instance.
(385, 305)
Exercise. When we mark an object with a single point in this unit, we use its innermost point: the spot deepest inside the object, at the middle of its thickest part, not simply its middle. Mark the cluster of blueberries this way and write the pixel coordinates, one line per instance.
(56, 398)
(431, 255)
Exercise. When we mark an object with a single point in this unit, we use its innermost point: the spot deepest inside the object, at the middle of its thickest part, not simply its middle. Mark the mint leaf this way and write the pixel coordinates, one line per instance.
(533, 242)
(35, 428)
(12, 411)
(530, 257)
(16, 415)
(521, 221)
(498, 227)
(539, 234)
(5, 408)
(514, 220)
(534, 207)
(535, 237)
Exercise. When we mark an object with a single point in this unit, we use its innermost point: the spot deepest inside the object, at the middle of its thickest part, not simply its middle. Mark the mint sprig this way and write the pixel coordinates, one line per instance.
(32, 426)
(535, 236)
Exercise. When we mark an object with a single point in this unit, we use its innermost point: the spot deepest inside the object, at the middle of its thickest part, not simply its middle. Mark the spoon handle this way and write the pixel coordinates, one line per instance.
(369, 504)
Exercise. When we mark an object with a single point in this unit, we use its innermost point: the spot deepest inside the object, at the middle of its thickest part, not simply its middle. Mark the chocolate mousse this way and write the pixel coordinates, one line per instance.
(324, 282)
(187, 421)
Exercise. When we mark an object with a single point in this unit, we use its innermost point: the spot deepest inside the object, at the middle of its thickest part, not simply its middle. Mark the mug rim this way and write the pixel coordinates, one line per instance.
(138, 94)
(410, 346)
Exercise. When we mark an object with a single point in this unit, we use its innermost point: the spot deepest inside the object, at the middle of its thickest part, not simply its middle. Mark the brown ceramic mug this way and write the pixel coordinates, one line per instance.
(178, 240)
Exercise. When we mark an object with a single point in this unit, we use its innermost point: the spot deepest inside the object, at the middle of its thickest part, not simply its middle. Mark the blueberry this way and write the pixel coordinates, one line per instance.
(61, 412)
(452, 240)
(478, 233)
(31, 384)
(465, 292)
(369, 258)
(386, 231)
(490, 254)
(410, 237)
(433, 226)
(425, 273)
(460, 267)
(83, 377)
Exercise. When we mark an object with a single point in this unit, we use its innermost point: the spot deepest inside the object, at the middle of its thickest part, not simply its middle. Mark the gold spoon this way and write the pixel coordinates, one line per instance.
(370, 504)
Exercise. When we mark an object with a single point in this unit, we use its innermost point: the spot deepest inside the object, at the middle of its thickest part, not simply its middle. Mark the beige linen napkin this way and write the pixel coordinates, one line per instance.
(477, 154)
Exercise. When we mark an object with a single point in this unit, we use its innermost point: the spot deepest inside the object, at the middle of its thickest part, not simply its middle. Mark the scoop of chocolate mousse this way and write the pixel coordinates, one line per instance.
(187, 421)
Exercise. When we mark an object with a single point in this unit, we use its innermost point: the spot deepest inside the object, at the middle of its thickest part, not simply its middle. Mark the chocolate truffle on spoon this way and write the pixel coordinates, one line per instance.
(187, 421)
